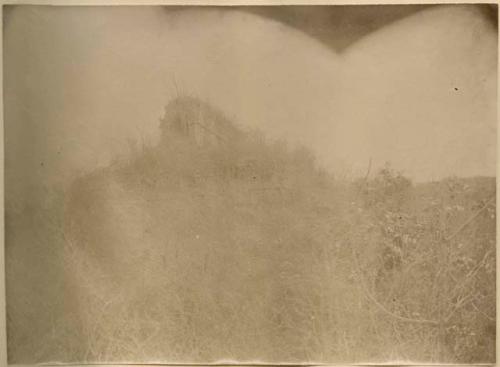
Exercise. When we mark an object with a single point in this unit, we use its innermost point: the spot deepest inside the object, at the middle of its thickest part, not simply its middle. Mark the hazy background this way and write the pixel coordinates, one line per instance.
(418, 90)
(120, 254)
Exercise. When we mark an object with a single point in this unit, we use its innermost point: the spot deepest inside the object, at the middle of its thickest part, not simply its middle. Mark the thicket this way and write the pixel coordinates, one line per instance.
(246, 250)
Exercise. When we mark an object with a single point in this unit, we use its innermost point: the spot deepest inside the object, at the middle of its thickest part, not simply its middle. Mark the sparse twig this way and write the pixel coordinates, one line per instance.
(481, 312)
(471, 219)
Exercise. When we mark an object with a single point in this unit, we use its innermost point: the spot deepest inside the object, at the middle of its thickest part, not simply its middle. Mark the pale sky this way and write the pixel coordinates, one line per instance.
(82, 82)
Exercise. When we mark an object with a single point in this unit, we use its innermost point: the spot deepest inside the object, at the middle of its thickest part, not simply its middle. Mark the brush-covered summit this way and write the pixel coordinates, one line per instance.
(199, 145)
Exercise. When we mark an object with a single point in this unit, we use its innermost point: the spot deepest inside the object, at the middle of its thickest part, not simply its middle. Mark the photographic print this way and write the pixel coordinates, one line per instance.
(250, 184)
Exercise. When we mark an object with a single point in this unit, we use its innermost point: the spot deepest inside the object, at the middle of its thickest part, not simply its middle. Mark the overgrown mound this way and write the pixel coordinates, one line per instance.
(218, 243)
(222, 237)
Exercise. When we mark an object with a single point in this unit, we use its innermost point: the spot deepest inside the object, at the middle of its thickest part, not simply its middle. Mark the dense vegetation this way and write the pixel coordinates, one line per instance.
(246, 250)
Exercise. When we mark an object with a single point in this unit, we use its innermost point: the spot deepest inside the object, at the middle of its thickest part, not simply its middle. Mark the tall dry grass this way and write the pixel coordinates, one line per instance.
(246, 250)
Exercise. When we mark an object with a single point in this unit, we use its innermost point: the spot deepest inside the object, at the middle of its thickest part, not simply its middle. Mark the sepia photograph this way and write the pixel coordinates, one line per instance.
(294, 184)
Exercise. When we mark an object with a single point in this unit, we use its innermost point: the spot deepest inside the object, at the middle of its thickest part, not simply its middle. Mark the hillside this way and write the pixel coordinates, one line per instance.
(240, 248)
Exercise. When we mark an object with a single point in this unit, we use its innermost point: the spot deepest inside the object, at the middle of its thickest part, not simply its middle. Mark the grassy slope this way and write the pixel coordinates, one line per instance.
(245, 251)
